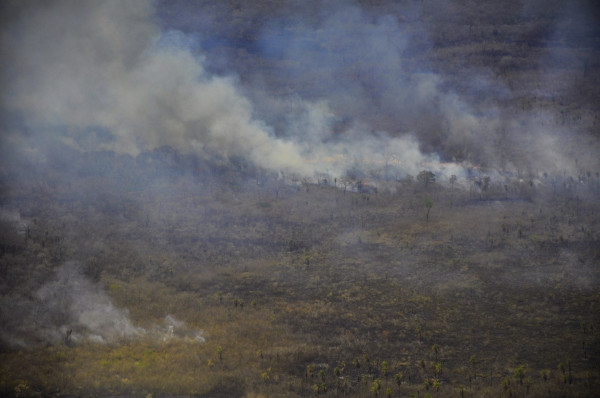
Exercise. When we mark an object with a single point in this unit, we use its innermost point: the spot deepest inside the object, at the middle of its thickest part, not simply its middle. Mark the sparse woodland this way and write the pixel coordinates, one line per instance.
(311, 290)
(322, 287)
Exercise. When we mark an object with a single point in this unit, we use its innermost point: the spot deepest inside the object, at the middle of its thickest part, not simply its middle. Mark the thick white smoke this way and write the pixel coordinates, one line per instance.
(102, 75)
(95, 67)
(104, 66)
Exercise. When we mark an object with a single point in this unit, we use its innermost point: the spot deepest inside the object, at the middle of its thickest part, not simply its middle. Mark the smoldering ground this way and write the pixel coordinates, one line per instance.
(68, 308)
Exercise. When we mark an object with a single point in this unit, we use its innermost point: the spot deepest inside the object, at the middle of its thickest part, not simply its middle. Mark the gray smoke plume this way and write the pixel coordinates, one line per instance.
(374, 70)
(77, 70)
(70, 309)
(326, 88)
(66, 308)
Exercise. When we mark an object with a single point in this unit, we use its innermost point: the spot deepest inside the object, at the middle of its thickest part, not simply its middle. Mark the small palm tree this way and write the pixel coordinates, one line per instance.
(435, 348)
(428, 206)
(398, 378)
(438, 369)
(375, 387)
(472, 362)
(519, 373)
(322, 374)
(384, 368)
(265, 377)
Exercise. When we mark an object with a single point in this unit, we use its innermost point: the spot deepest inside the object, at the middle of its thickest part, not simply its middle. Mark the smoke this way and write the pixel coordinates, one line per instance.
(386, 87)
(78, 71)
(66, 308)
(70, 309)
(41, 305)
(319, 90)
(172, 328)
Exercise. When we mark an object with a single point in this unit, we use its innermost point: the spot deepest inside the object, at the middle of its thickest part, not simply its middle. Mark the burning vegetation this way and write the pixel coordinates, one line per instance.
(363, 198)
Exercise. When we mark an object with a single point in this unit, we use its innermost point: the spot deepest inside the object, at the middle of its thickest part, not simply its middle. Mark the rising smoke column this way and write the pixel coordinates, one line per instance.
(66, 308)
(104, 75)
(73, 71)
(69, 309)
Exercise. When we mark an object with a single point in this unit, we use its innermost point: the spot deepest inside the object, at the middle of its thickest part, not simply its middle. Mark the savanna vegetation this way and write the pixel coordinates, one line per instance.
(310, 289)
(362, 285)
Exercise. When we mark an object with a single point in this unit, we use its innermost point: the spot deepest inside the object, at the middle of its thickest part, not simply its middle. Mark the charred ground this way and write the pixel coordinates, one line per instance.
(216, 277)
(306, 289)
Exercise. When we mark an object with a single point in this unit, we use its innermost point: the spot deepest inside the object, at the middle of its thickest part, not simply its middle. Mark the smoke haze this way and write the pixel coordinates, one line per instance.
(323, 89)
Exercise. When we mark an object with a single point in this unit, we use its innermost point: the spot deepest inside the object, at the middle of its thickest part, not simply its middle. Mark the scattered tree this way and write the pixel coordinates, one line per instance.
(435, 348)
(426, 178)
(375, 387)
(398, 378)
(428, 206)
